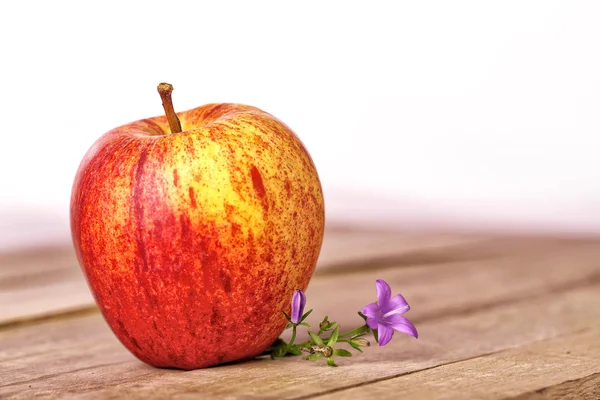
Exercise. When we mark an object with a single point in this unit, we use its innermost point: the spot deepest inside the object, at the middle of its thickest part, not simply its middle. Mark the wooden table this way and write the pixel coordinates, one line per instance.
(498, 317)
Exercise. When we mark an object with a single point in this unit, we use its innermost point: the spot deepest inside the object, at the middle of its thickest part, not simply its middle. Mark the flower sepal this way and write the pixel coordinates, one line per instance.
(325, 325)
(357, 342)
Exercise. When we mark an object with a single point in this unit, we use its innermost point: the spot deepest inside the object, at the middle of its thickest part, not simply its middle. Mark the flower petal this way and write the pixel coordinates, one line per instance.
(384, 292)
(385, 334)
(401, 324)
(372, 322)
(397, 303)
(298, 303)
(371, 310)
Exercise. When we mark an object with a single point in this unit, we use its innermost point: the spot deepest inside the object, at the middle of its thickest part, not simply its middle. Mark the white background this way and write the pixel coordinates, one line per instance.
(475, 114)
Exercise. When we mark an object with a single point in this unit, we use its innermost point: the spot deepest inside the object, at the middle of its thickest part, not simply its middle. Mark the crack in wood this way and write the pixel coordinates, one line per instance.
(553, 389)
(587, 281)
(586, 388)
(50, 376)
(56, 316)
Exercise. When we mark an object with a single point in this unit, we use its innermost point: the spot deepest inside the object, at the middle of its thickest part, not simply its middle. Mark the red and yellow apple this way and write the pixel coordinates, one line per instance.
(193, 242)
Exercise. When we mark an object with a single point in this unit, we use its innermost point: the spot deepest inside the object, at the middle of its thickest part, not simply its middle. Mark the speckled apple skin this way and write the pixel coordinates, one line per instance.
(193, 243)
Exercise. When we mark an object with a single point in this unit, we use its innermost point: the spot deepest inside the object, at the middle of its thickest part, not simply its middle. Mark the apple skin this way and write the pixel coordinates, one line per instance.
(193, 243)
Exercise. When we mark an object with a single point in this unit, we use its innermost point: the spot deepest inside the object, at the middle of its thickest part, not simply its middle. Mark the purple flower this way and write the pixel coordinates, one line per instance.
(298, 303)
(385, 315)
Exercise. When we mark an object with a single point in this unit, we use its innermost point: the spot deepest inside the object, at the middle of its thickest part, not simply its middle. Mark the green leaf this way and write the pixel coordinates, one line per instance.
(375, 335)
(363, 316)
(288, 326)
(316, 339)
(334, 336)
(330, 362)
(331, 325)
(287, 317)
(342, 353)
(296, 351)
(279, 352)
(304, 324)
(306, 314)
(313, 357)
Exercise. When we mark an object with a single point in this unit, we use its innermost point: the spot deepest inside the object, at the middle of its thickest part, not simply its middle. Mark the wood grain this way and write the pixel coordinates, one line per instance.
(497, 375)
(82, 357)
(500, 296)
(586, 388)
(39, 283)
(43, 282)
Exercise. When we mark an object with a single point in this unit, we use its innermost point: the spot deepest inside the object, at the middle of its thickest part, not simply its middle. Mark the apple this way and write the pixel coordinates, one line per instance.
(194, 229)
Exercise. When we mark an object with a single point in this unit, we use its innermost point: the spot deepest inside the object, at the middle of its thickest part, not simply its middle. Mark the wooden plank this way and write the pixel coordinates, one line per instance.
(40, 282)
(343, 249)
(462, 311)
(586, 388)
(65, 291)
(45, 282)
(498, 375)
(99, 369)
(440, 289)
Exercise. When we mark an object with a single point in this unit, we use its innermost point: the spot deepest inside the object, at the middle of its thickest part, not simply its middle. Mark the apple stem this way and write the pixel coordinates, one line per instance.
(165, 89)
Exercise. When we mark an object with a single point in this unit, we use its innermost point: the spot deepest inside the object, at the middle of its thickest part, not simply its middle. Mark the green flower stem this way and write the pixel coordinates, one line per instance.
(287, 347)
(358, 331)
(291, 342)
(270, 350)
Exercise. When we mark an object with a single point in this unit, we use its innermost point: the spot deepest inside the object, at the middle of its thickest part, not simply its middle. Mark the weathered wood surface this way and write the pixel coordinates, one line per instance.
(583, 388)
(498, 318)
(44, 282)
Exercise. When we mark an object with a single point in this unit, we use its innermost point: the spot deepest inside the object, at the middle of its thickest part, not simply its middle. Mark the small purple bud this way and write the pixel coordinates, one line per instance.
(298, 303)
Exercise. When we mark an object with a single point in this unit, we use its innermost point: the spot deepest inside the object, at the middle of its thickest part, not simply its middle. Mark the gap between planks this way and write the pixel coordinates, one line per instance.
(52, 285)
(47, 283)
(586, 388)
(494, 375)
(290, 378)
(539, 294)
